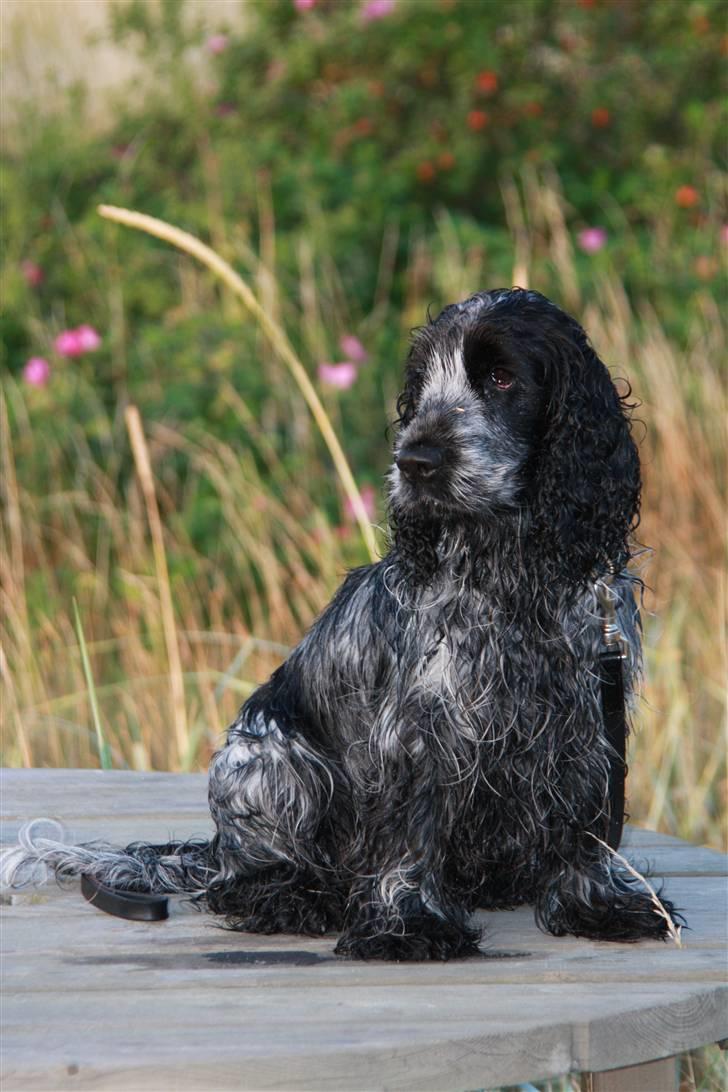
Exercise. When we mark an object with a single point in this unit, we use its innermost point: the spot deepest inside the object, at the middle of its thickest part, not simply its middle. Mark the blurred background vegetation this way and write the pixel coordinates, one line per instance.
(357, 161)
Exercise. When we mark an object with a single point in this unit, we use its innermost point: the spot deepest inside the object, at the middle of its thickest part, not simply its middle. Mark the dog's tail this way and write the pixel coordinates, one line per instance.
(42, 852)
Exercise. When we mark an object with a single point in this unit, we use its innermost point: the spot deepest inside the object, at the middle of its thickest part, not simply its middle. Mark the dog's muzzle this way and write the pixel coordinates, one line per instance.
(419, 462)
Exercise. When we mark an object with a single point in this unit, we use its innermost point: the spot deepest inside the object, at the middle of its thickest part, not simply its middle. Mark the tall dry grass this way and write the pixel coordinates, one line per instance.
(167, 685)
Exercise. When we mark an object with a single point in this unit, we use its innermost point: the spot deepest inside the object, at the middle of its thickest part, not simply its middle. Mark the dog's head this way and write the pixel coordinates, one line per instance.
(507, 409)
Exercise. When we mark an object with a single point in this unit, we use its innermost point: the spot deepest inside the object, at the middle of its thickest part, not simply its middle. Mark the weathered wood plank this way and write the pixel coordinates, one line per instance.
(117, 806)
(669, 856)
(83, 793)
(518, 952)
(95, 1002)
(442, 1037)
(704, 903)
(253, 967)
(662, 1076)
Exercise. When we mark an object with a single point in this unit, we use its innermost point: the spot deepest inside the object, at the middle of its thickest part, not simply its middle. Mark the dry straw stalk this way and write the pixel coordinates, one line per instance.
(275, 334)
(176, 678)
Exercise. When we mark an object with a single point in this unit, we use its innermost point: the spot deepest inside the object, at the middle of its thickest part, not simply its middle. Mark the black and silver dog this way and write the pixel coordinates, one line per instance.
(436, 743)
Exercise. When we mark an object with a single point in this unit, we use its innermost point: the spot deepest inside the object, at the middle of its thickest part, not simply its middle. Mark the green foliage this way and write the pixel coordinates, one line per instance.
(329, 145)
(358, 125)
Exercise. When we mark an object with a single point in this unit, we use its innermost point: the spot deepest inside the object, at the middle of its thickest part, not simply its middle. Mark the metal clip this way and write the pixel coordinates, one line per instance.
(614, 639)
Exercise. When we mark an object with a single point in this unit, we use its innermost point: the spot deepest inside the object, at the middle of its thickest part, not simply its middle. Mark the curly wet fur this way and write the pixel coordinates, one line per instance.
(436, 743)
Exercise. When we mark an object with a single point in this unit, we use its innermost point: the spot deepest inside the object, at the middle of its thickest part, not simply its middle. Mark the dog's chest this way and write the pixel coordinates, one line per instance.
(484, 676)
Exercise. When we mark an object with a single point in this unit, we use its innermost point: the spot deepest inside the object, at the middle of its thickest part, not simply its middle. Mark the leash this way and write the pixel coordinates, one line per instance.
(132, 905)
(611, 674)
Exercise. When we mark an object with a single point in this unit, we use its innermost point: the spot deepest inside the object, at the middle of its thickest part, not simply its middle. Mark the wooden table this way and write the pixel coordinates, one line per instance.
(95, 1002)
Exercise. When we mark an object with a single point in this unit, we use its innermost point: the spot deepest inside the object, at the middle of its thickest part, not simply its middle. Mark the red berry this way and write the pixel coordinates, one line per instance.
(477, 120)
(686, 197)
(487, 82)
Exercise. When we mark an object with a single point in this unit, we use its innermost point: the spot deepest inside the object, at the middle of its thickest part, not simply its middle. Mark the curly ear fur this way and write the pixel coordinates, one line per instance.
(586, 471)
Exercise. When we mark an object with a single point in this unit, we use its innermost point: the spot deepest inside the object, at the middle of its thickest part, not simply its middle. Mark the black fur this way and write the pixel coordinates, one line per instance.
(436, 742)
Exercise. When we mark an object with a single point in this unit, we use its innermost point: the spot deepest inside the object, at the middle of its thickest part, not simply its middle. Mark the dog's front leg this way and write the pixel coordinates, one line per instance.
(399, 907)
(270, 792)
(393, 918)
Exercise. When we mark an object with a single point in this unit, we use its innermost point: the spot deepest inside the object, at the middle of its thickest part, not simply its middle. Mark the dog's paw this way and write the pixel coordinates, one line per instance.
(278, 902)
(416, 939)
(643, 921)
(292, 914)
(623, 916)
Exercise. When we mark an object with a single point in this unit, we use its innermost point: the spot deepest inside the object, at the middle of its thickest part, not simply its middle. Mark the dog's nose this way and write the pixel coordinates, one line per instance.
(419, 462)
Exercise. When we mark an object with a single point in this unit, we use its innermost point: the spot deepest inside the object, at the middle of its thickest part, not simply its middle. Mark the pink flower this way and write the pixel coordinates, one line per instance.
(83, 339)
(217, 43)
(37, 371)
(353, 349)
(68, 343)
(368, 499)
(376, 9)
(304, 5)
(592, 239)
(88, 339)
(33, 273)
(225, 109)
(724, 234)
(341, 376)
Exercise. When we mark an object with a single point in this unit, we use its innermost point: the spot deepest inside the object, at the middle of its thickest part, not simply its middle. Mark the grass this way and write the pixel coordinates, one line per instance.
(103, 747)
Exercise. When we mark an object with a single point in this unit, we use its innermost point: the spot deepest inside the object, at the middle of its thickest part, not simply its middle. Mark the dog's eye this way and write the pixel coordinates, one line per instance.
(501, 378)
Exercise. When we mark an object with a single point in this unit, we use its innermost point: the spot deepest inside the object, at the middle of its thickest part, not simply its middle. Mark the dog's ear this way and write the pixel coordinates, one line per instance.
(586, 471)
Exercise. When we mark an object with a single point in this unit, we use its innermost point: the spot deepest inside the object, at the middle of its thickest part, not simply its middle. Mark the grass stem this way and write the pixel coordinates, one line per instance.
(104, 749)
(146, 479)
(275, 334)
